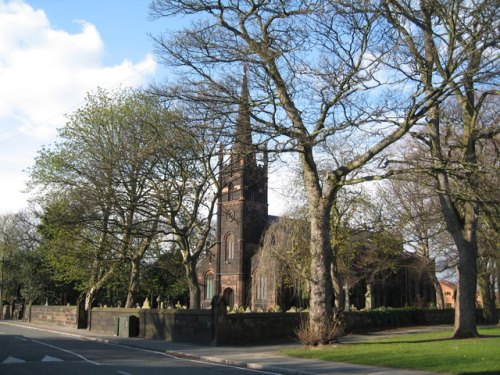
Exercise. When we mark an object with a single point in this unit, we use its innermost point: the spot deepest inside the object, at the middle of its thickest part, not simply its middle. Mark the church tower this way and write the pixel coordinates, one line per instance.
(243, 209)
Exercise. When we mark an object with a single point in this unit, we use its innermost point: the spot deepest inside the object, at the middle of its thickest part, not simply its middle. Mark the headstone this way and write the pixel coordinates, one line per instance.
(368, 298)
(146, 304)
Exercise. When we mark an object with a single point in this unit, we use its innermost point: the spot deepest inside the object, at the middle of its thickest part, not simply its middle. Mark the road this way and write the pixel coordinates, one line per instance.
(33, 351)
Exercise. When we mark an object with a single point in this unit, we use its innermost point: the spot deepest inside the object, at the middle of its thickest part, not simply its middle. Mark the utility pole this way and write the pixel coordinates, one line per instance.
(1, 286)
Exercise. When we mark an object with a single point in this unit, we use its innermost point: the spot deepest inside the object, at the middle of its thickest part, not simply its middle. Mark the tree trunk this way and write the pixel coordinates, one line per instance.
(194, 289)
(338, 286)
(465, 309)
(487, 293)
(321, 303)
(461, 223)
(133, 285)
(89, 298)
(439, 293)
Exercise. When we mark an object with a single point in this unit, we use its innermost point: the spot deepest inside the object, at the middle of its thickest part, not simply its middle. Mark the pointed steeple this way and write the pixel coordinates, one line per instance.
(243, 146)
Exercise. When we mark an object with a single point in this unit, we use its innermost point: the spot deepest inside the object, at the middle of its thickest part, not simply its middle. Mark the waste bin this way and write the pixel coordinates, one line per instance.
(128, 326)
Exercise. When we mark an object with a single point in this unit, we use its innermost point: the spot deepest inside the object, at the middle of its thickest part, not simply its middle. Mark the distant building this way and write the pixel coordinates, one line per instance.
(449, 293)
(232, 266)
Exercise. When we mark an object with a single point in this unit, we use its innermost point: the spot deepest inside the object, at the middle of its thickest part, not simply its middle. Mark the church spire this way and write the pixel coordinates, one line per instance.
(243, 146)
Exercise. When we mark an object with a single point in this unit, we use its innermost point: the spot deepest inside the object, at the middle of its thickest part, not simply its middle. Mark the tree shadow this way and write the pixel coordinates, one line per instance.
(418, 341)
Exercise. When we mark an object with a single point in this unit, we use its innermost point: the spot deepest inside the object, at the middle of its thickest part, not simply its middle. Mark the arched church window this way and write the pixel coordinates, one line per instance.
(230, 191)
(229, 246)
(209, 287)
(260, 287)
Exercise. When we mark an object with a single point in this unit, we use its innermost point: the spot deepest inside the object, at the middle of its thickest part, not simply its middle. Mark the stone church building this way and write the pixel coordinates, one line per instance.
(231, 266)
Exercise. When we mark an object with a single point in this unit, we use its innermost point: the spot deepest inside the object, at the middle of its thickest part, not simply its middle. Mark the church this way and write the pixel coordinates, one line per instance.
(231, 266)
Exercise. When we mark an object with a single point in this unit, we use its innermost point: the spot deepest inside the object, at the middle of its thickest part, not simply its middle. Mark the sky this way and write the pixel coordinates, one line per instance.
(52, 53)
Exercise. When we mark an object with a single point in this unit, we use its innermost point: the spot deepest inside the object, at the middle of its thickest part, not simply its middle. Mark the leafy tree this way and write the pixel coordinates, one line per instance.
(98, 180)
(26, 276)
(166, 278)
(127, 174)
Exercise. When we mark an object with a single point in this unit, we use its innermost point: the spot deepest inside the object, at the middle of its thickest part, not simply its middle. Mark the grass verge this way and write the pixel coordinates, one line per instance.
(420, 351)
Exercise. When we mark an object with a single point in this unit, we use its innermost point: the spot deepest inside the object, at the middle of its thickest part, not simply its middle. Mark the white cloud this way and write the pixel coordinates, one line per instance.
(44, 73)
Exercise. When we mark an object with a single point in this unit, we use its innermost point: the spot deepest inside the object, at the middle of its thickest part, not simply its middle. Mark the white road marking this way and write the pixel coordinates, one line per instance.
(48, 358)
(196, 360)
(68, 351)
(131, 348)
(43, 330)
(11, 360)
(124, 373)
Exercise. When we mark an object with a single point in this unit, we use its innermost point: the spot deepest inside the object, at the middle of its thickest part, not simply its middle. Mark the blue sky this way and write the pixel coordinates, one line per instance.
(52, 53)
(124, 25)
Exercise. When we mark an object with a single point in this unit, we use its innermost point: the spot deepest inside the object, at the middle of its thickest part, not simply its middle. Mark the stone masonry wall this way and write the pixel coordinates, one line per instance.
(105, 320)
(65, 316)
(178, 325)
(169, 325)
(248, 328)
(258, 328)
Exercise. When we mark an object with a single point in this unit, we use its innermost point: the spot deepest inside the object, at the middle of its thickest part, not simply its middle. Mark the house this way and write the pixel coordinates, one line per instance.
(232, 266)
(449, 293)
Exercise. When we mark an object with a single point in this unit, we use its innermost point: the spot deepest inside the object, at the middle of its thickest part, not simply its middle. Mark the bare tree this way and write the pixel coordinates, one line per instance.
(455, 44)
(312, 68)
(415, 212)
(187, 189)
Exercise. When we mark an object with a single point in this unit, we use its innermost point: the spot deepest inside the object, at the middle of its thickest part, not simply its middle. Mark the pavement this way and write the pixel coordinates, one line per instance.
(263, 357)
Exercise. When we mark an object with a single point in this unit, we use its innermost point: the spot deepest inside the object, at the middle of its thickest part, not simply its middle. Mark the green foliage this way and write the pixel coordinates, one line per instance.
(420, 351)
(165, 278)
(98, 188)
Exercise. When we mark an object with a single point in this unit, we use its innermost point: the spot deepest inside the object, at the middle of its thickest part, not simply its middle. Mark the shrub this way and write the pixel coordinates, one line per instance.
(334, 329)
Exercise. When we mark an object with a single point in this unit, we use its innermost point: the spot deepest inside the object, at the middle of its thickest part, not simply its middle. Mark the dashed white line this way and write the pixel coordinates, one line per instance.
(124, 373)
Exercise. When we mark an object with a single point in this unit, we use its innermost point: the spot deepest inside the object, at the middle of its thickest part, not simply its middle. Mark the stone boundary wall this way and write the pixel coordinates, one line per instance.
(258, 328)
(178, 325)
(105, 320)
(63, 316)
(194, 326)
(204, 327)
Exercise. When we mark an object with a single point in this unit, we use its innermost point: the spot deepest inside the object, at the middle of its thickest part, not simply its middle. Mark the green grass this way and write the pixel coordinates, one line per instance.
(420, 351)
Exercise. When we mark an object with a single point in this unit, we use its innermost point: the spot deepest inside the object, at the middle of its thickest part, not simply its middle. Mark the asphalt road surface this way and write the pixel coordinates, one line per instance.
(31, 351)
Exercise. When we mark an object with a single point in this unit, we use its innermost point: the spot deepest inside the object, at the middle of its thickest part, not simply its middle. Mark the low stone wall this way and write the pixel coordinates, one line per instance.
(169, 325)
(178, 325)
(106, 320)
(201, 327)
(254, 328)
(65, 316)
